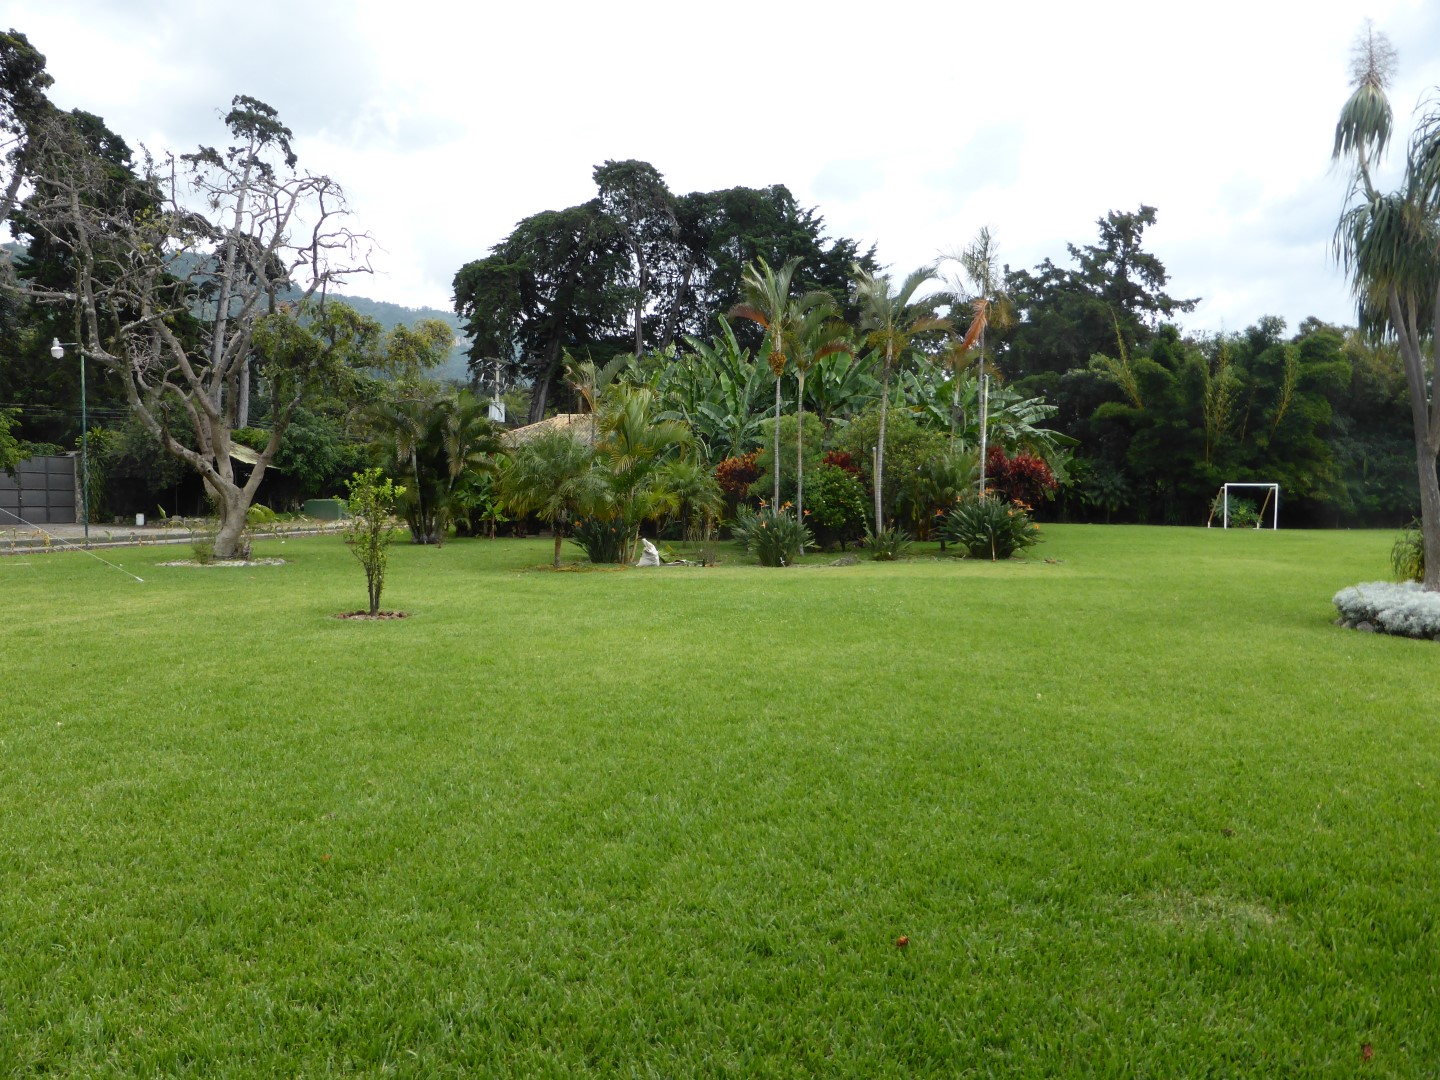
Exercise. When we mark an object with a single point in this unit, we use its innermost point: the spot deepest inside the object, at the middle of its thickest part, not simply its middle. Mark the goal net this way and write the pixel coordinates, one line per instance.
(1271, 504)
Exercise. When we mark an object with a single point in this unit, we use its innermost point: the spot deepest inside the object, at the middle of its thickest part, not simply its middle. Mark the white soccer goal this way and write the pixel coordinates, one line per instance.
(1271, 503)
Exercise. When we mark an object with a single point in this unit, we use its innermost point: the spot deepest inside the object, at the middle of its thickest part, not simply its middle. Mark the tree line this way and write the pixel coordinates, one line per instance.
(793, 363)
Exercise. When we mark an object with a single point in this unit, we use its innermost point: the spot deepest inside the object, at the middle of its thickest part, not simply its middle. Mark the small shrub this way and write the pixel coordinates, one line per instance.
(258, 515)
(933, 484)
(989, 528)
(1407, 557)
(774, 537)
(888, 545)
(602, 541)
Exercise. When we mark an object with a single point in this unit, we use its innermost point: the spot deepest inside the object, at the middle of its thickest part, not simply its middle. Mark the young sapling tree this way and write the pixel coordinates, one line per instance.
(371, 501)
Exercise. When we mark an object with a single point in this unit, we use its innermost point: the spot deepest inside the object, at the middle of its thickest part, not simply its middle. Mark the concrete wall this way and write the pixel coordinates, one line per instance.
(42, 492)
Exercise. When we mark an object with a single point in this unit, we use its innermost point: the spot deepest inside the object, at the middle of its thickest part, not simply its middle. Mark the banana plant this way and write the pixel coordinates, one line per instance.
(719, 391)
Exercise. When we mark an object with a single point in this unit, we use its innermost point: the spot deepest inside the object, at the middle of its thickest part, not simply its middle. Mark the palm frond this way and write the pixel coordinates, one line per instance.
(754, 314)
(1365, 123)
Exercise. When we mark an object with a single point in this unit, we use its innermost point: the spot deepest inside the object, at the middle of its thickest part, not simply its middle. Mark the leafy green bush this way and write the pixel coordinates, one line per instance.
(1407, 557)
(931, 485)
(888, 545)
(1243, 514)
(774, 537)
(763, 486)
(989, 528)
(602, 541)
(835, 504)
(908, 447)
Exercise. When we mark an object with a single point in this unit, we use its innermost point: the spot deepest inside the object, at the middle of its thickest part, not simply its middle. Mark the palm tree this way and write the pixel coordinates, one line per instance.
(552, 476)
(955, 356)
(1387, 244)
(890, 320)
(699, 500)
(437, 437)
(470, 449)
(632, 446)
(983, 288)
(404, 425)
(821, 335)
(768, 304)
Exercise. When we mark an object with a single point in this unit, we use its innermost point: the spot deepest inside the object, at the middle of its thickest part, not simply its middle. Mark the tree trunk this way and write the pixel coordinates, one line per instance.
(1429, 514)
(242, 405)
(540, 395)
(559, 535)
(981, 406)
(1426, 423)
(231, 505)
(644, 276)
(373, 584)
(955, 410)
(672, 320)
(880, 447)
(12, 190)
(800, 456)
(776, 504)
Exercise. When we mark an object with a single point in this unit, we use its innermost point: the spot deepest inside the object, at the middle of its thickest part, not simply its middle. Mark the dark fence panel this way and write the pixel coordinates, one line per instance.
(42, 492)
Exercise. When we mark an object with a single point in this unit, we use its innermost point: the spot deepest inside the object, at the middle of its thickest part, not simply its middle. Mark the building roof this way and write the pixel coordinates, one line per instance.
(580, 426)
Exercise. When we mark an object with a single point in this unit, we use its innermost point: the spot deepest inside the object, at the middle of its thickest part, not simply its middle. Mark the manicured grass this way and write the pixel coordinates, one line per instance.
(1141, 811)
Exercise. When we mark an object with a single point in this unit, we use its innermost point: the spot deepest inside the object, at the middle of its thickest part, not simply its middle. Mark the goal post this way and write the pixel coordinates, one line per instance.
(1271, 503)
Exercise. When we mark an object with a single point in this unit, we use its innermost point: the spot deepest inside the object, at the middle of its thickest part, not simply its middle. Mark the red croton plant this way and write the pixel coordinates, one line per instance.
(1023, 478)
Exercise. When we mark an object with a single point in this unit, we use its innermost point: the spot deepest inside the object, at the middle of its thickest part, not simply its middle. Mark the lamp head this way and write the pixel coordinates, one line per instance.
(56, 349)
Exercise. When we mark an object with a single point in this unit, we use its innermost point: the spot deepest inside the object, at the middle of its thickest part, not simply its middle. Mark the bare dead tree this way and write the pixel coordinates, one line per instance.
(177, 268)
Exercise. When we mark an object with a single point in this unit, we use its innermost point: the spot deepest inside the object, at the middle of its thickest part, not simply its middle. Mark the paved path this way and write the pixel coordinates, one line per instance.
(15, 538)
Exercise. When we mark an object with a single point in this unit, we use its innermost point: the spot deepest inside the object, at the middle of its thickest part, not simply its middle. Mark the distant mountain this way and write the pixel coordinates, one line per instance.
(391, 315)
(387, 315)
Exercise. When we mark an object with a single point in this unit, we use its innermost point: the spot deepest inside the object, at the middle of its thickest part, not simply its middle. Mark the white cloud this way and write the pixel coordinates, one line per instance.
(448, 122)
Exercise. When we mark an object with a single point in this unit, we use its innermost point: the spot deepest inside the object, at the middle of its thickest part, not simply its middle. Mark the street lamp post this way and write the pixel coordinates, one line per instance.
(57, 350)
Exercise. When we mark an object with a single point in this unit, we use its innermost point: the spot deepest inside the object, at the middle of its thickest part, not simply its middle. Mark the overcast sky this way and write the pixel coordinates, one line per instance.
(907, 125)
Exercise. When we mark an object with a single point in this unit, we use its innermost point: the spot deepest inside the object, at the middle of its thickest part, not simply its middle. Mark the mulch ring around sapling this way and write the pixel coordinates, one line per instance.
(379, 616)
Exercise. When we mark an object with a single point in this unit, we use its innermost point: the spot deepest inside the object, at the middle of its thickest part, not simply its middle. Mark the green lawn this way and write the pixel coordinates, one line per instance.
(1141, 811)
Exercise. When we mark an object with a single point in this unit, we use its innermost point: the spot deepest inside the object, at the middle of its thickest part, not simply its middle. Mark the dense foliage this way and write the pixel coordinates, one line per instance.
(764, 343)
